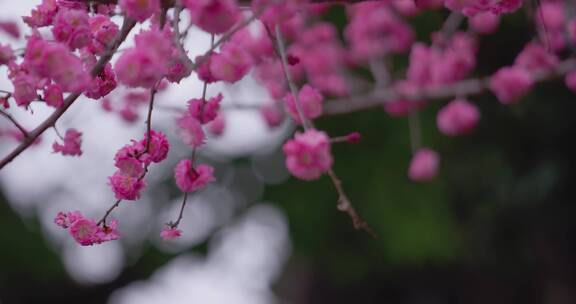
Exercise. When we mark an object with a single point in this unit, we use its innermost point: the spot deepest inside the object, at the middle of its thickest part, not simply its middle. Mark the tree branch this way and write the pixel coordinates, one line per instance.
(467, 87)
(127, 25)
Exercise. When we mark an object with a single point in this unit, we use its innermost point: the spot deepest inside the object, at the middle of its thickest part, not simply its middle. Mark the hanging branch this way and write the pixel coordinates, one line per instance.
(344, 204)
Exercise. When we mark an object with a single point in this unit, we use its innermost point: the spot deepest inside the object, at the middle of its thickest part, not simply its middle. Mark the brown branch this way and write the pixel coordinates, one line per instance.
(345, 205)
(16, 124)
(181, 214)
(127, 25)
(103, 219)
(462, 88)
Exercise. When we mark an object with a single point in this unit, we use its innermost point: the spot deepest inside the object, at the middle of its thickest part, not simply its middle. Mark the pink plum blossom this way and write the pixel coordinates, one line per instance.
(424, 165)
(53, 95)
(310, 103)
(204, 111)
(272, 114)
(170, 233)
(72, 28)
(510, 84)
(213, 16)
(190, 178)
(139, 10)
(484, 23)
(231, 64)
(217, 126)
(308, 154)
(190, 131)
(72, 143)
(457, 118)
(126, 187)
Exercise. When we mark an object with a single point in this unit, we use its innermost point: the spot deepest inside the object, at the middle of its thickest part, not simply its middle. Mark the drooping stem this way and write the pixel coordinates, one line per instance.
(180, 215)
(149, 118)
(293, 90)
(345, 205)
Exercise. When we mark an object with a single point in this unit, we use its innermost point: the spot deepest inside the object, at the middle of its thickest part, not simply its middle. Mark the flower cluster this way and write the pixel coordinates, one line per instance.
(132, 162)
(85, 230)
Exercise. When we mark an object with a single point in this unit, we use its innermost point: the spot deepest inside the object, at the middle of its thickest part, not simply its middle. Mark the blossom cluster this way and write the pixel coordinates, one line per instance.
(302, 62)
(85, 230)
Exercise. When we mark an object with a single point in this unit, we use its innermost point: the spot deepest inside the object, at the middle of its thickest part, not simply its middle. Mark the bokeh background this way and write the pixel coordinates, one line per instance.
(496, 226)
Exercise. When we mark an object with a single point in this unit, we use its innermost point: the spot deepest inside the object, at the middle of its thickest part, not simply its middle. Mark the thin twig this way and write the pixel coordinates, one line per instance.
(16, 124)
(293, 90)
(344, 203)
(149, 118)
(103, 219)
(127, 25)
(227, 36)
(180, 215)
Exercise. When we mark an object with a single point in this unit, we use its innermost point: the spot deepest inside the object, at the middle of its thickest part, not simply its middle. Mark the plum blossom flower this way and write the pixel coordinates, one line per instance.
(213, 16)
(231, 64)
(139, 10)
(310, 103)
(170, 233)
(217, 126)
(53, 95)
(190, 131)
(272, 114)
(6, 54)
(158, 148)
(72, 28)
(85, 230)
(424, 165)
(458, 117)
(42, 15)
(190, 178)
(308, 154)
(204, 111)
(103, 32)
(509, 84)
(126, 187)
(72, 143)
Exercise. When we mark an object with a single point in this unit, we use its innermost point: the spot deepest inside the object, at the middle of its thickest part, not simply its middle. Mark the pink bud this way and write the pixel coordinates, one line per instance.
(510, 84)
(424, 165)
(458, 117)
(354, 138)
